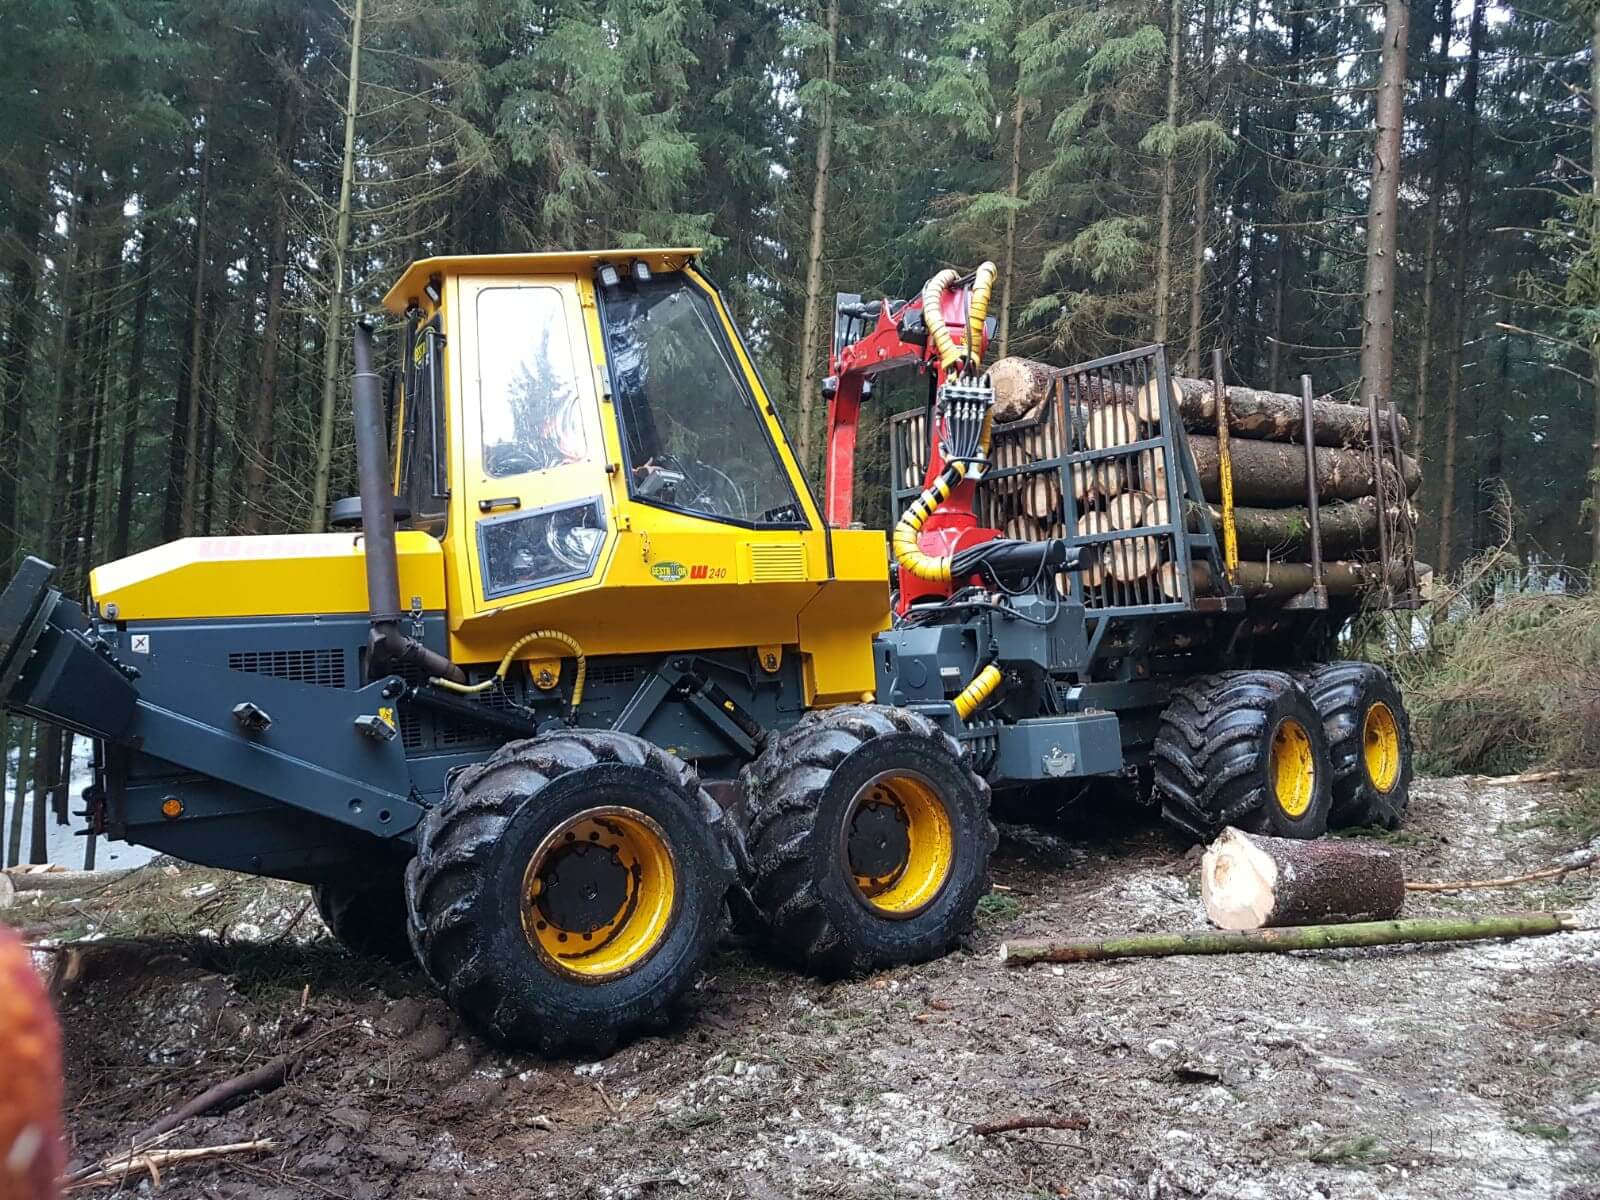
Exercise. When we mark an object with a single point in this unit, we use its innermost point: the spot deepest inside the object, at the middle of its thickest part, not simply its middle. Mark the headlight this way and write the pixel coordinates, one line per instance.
(533, 550)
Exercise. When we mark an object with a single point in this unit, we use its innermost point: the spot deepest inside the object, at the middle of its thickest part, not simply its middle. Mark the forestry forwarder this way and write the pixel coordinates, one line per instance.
(585, 666)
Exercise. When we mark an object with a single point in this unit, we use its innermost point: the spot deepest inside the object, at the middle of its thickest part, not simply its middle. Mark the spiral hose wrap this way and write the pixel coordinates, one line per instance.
(912, 560)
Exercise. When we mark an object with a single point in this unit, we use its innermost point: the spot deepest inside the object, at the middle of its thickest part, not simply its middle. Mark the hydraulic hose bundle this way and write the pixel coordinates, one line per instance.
(966, 412)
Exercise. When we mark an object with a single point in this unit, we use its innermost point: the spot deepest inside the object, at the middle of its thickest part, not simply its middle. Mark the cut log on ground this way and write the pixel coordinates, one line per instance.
(1021, 387)
(1271, 474)
(1293, 937)
(1248, 881)
(1280, 580)
(1349, 527)
(1266, 416)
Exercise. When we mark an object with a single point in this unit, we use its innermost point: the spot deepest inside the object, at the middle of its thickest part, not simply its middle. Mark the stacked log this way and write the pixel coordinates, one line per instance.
(1266, 429)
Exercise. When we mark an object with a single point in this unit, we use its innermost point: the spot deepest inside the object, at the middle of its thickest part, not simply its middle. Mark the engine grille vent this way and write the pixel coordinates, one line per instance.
(323, 668)
(613, 675)
(778, 563)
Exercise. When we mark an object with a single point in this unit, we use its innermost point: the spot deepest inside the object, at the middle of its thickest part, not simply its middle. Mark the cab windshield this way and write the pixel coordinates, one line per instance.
(691, 432)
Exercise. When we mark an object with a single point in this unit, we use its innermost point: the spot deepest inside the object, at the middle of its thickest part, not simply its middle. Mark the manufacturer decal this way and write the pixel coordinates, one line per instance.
(670, 572)
(703, 571)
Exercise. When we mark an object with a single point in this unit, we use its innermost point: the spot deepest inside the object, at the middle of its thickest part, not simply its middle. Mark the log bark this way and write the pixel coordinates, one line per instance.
(1270, 474)
(1280, 580)
(1349, 527)
(1248, 881)
(1021, 386)
(1265, 416)
(1294, 937)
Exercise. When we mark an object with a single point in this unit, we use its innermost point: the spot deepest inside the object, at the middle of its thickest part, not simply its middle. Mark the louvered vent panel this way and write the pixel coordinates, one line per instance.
(324, 668)
(778, 563)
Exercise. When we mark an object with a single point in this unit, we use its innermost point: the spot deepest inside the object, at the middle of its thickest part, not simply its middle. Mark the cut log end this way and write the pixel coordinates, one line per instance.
(1237, 882)
(1252, 882)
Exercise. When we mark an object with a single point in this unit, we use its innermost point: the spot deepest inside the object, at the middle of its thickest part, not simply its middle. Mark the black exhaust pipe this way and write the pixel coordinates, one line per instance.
(388, 646)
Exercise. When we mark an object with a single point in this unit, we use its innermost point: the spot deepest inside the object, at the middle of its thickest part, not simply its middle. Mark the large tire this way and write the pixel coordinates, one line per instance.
(368, 920)
(488, 862)
(1243, 748)
(864, 772)
(1369, 741)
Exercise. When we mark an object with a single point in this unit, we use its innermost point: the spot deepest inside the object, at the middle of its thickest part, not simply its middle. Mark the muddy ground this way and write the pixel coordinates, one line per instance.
(1426, 1072)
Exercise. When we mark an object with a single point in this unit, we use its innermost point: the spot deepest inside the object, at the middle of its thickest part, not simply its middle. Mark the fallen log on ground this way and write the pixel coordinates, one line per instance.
(1271, 474)
(1267, 416)
(1282, 941)
(1579, 860)
(1349, 527)
(265, 1078)
(1248, 881)
(1013, 1124)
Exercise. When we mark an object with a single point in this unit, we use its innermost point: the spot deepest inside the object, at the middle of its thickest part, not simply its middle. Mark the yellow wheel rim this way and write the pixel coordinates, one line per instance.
(898, 843)
(598, 894)
(1380, 746)
(1292, 767)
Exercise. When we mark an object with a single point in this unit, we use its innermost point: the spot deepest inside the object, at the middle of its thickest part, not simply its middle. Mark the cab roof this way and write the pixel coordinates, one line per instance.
(560, 262)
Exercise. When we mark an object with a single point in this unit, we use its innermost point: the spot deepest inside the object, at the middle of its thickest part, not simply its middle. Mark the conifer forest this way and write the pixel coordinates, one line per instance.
(200, 196)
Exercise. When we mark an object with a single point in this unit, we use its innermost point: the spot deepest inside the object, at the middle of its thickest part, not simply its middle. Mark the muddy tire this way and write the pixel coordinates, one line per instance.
(583, 963)
(369, 921)
(1369, 742)
(869, 839)
(1243, 748)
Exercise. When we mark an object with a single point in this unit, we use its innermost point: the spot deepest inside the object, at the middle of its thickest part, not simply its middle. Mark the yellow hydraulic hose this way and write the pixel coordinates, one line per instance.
(978, 309)
(538, 635)
(975, 693)
(904, 540)
(933, 317)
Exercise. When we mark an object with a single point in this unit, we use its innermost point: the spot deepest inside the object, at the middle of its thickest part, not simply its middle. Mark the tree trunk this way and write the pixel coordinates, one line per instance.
(336, 297)
(1019, 110)
(132, 404)
(1377, 313)
(1169, 173)
(197, 339)
(811, 319)
(1458, 317)
(1252, 882)
(1264, 416)
(258, 446)
(1202, 202)
(46, 766)
(1594, 234)
(1437, 71)
(67, 336)
(1282, 941)
(1349, 529)
(1268, 474)
(14, 377)
(19, 792)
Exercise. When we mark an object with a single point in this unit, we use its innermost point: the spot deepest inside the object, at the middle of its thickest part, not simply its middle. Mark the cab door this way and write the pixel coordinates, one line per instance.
(533, 459)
